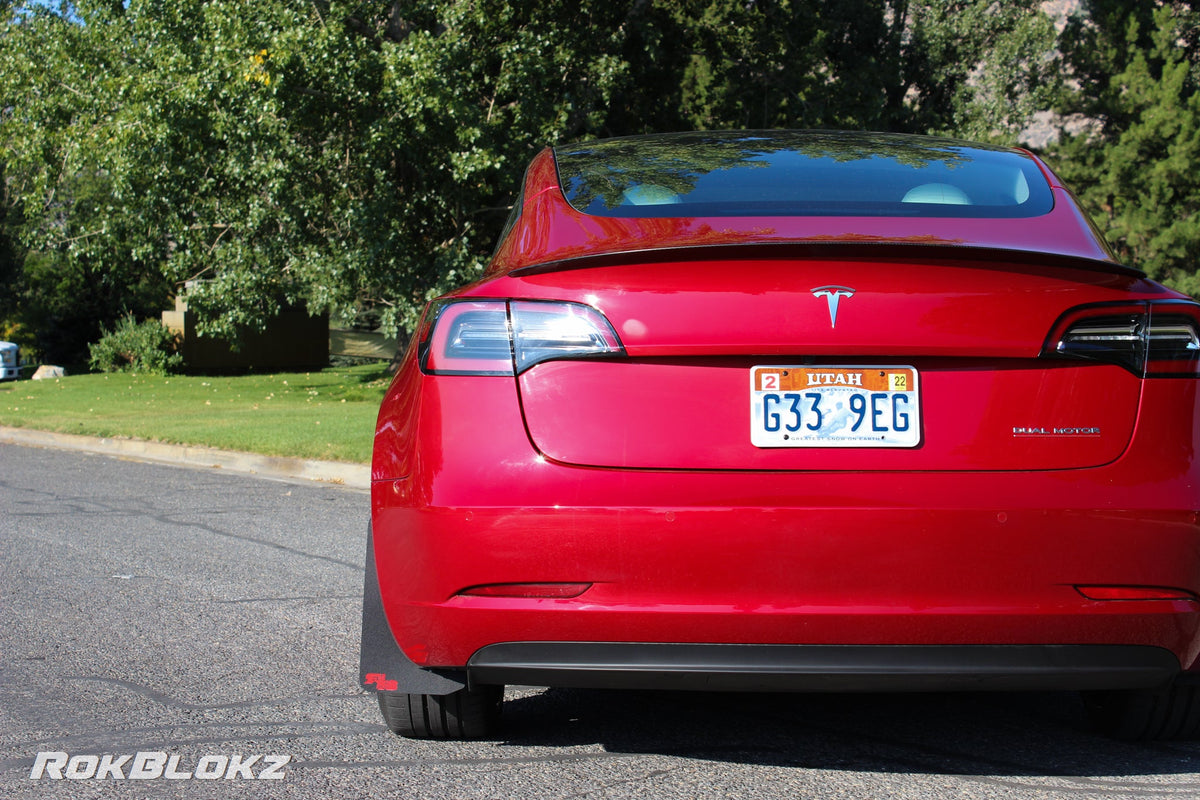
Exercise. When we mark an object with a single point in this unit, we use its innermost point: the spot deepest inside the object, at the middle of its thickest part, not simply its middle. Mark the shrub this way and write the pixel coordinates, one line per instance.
(130, 347)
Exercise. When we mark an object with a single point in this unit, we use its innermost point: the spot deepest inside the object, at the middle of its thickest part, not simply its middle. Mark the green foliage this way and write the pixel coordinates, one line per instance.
(65, 299)
(1134, 163)
(130, 347)
(338, 153)
(973, 67)
(12, 327)
(358, 155)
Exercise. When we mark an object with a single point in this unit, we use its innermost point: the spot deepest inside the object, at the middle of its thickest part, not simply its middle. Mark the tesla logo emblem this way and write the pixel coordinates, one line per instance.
(832, 295)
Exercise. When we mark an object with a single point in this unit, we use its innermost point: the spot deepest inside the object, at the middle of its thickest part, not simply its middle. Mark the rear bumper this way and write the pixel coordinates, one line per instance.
(832, 559)
(815, 668)
(701, 569)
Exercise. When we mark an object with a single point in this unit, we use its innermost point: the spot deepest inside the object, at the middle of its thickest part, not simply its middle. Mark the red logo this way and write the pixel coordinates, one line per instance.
(381, 682)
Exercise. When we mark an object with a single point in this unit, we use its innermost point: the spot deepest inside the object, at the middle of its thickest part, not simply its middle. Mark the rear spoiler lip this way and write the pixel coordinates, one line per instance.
(810, 249)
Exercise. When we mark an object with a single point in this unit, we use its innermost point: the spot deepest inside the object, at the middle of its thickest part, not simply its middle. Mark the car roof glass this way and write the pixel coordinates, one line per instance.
(799, 173)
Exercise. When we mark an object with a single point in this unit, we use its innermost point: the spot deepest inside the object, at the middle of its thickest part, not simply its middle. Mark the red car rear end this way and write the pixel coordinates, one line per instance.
(791, 411)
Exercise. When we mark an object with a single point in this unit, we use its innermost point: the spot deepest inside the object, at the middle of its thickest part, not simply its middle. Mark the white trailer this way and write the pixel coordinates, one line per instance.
(10, 361)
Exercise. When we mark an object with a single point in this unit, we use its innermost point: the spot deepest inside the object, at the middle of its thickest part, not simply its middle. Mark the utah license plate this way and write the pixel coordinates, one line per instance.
(834, 406)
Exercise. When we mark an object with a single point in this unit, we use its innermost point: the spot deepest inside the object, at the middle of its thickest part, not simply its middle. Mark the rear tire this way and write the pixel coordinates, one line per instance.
(1146, 714)
(465, 714)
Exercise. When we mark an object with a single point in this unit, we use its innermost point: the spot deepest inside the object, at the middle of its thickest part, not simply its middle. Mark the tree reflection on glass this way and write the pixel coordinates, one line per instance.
(646, 176)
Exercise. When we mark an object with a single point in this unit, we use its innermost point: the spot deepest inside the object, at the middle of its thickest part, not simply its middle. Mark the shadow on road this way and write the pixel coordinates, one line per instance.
(1026, 734)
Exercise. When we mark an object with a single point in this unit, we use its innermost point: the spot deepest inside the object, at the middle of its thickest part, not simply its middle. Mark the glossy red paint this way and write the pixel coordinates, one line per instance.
(634, 480)
(690, 415)
(734, 305)
(815, 557)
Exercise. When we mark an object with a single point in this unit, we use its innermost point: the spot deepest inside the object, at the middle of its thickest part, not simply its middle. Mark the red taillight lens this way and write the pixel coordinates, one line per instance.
(1153, 339)
(489, 337)
(555, 591)
(1173, 340)
(468, 338)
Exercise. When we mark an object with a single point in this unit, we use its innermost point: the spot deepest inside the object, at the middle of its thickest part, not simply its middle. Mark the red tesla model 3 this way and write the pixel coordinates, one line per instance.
(791, 411)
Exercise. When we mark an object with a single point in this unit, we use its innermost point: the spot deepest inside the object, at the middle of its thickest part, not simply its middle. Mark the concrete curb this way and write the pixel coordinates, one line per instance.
(352, 476)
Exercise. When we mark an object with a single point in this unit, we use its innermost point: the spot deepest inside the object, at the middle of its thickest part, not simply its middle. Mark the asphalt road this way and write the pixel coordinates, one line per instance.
(212, 618)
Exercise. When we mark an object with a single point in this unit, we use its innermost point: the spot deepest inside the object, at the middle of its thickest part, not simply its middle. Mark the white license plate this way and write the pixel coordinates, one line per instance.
(833, 406)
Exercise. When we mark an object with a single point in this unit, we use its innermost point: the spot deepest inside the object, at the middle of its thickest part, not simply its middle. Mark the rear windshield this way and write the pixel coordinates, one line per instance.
(798, 173)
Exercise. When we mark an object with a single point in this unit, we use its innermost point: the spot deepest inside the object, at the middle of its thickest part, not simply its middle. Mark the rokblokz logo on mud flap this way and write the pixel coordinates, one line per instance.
(155, 764)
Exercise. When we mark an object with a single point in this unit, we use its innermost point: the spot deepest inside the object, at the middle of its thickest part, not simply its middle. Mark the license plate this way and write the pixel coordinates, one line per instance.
(832, 406)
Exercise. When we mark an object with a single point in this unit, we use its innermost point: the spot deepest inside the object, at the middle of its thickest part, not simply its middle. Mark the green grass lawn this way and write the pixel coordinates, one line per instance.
(329, 414)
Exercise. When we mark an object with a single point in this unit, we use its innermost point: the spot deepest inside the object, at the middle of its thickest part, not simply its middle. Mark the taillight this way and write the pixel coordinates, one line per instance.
(554, 591)
(499, 337)
(468, 338)
(542, 331)
(1173, 341)
(1151, 339)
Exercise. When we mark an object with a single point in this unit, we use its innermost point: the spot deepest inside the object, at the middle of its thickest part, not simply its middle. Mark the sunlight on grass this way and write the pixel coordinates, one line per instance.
(329, 414)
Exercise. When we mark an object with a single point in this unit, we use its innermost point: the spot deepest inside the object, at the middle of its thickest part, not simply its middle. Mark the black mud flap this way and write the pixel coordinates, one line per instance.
(382, 665)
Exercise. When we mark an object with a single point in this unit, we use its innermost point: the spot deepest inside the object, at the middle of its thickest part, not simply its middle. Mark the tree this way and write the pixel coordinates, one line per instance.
(331, 153)
(972, 67)
(1134, 163)
(359, 155)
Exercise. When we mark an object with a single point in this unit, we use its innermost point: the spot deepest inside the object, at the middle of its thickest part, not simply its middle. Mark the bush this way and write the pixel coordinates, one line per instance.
(130, 347)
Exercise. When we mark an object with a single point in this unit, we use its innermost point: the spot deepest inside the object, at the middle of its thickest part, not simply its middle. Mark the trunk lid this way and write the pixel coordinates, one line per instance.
(970, 331)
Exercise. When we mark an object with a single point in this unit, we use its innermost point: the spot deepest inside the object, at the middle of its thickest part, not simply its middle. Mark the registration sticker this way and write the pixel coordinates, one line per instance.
(834, 406)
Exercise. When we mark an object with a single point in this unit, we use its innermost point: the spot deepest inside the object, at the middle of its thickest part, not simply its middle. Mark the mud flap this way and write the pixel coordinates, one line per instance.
(382, 665)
